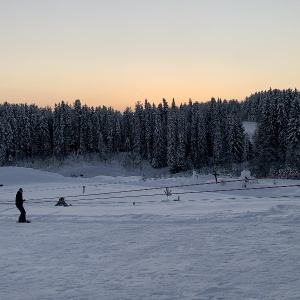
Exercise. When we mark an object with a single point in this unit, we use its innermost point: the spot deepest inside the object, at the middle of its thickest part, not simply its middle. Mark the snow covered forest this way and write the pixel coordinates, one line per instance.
(189, 136)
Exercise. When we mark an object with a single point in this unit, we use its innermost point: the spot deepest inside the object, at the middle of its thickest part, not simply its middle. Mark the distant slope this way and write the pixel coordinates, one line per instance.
(250, 127)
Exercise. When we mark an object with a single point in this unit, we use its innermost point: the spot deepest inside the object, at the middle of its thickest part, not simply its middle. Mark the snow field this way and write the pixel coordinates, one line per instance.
(241, 244)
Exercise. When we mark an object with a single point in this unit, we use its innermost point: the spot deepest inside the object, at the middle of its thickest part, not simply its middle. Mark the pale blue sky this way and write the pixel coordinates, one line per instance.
(117, 52)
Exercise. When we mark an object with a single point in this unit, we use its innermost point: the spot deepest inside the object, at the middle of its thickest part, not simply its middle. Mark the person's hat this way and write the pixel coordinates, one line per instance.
(20, 190)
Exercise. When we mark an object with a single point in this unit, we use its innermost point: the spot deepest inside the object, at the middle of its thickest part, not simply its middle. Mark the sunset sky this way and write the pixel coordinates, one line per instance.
(118, 52)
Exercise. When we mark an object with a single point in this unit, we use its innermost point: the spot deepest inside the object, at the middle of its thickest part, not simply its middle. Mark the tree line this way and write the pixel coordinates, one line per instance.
(192, 135)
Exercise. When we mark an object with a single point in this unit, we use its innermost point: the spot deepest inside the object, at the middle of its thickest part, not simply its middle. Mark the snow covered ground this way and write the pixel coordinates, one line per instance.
(219, 241)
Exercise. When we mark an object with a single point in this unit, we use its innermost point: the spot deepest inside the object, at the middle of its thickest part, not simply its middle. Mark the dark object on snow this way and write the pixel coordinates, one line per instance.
(62, 202)
(19, 205)
(216, 176)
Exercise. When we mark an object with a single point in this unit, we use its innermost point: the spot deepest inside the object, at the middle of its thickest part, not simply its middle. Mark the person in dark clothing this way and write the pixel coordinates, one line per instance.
(19, 205)
(215, 174)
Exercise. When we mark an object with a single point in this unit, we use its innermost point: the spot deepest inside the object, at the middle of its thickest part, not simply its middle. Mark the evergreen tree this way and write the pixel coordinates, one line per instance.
(61, 130)
(127, 129)
(282, 121)
(75, 130)
(172, 139)
(235, 136)
(102, 149)
(149, 128)
(266, 139)
(7, 121)
(44, 140)
(182, 138)
(118, 133)
(215, 132)
(83, 130)
(6, 140)
(25, 140)
(159, 141)
(138, 134)
(293, 135)
(201, 155)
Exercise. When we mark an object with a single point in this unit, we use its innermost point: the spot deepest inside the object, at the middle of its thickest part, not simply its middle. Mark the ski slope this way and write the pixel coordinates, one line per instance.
(122, 238)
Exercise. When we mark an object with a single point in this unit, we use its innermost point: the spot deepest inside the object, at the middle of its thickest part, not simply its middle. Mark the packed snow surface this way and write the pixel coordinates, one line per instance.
(123, 238)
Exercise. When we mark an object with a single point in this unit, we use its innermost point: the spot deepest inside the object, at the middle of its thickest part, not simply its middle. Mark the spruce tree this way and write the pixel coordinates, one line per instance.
(235, 135)
(149, 128)
(202, 156)
(293, 135)
(181, 148)
(159, 142)
(172, 139)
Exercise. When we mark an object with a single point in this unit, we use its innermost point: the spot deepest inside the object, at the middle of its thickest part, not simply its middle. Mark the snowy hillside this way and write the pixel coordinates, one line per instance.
(250, 127)
(123, 238)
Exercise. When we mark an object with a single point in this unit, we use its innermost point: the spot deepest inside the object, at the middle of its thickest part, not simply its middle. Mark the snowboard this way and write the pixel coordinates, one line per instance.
(27, 221)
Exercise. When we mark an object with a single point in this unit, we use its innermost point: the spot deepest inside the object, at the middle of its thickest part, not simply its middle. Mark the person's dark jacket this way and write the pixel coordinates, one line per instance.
(19, 198)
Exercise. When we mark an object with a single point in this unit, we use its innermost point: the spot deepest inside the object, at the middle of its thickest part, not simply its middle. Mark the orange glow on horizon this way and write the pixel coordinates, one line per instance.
(115, 53)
